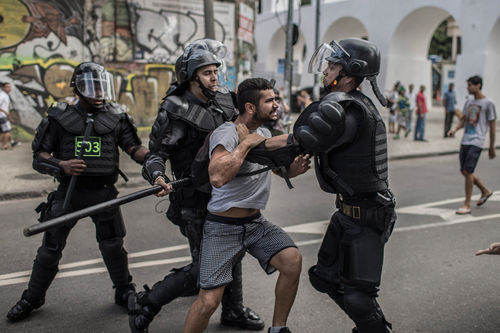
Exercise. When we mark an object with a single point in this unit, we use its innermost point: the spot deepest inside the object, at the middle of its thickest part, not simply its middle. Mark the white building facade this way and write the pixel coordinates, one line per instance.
(402, 29)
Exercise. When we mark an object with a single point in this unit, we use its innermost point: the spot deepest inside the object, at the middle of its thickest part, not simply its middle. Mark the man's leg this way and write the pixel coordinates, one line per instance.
(289, 263)
(484, 190)
(469, 182)
(202, 309)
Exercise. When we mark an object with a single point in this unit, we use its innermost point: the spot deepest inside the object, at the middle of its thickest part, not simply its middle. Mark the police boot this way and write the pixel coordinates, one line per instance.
(23, 308)
(233, 311)
(140, 311)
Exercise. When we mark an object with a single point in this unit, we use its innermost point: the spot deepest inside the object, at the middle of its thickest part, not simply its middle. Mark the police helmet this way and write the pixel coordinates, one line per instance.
(199, 54)
(91, 80)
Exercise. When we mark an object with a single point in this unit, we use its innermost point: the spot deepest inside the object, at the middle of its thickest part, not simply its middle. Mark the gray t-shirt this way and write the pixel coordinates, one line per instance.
(478, 114)
(242, 192)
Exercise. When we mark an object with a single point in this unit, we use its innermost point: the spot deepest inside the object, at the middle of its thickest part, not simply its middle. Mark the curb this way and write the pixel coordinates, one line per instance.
(132, 183)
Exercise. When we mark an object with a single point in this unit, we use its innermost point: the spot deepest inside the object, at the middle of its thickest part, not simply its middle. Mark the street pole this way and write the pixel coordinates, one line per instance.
(209, 19)
(316, 45)
(289, 52)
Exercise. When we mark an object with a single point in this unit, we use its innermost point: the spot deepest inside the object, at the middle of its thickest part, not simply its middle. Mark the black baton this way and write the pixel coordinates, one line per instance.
(61, 220)
(85, 143)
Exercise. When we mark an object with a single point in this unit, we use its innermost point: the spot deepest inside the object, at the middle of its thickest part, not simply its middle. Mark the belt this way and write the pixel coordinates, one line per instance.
(351, 211)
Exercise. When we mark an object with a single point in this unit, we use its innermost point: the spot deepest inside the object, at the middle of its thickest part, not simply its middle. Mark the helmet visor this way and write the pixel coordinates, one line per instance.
(96, 85)
(332, 52)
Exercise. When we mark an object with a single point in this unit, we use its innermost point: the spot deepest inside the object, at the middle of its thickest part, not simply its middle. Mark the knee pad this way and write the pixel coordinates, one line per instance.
(112, 247)
(48, 258)
(358, 305)
(318, 283)
(109, 226)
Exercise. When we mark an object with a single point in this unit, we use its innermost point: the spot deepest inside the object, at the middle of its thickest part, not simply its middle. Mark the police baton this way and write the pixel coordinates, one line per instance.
(85, 144)
(61, 220)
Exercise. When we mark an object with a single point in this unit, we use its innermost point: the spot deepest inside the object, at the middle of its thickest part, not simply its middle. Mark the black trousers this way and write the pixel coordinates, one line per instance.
(349, 270)
(110, 231)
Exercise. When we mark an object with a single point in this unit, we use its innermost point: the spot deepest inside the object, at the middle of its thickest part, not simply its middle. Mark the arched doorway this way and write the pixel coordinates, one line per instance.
(407, 59)
(345, 27)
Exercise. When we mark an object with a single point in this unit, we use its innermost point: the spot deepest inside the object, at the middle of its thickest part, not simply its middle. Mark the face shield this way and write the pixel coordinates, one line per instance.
(96, 85)
(332, 52)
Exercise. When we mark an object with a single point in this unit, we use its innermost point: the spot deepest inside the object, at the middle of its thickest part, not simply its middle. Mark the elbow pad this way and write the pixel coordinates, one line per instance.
(319, 126)
(153, 167)
(47, 166)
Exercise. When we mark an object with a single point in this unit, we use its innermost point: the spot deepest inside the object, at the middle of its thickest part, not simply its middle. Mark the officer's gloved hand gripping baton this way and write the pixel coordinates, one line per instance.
(61, 220)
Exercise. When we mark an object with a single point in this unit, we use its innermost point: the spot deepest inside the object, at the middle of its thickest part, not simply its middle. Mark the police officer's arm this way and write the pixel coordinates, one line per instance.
(43, 145)
(299, 165)
(224, 165)
(153, 169)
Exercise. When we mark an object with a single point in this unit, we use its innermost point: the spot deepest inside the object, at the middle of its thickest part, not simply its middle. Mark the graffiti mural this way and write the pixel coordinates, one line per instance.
(41, 42)
(163, 29)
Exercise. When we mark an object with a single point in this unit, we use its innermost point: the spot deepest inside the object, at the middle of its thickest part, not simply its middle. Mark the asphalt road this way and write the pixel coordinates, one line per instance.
(431, 280)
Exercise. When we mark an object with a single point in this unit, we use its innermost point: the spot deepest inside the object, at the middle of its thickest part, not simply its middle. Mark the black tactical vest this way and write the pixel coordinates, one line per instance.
(361, 166)
(101, 157)
(195, 121)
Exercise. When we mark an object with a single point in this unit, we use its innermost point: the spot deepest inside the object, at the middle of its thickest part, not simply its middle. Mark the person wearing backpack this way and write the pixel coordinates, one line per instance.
(194, 107)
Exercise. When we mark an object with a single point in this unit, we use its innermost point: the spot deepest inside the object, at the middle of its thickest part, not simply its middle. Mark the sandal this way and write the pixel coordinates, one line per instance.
(483, 200)
(463, 211)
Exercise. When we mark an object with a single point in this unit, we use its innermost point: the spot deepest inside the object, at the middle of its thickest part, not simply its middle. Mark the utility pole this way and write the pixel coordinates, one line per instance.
(208, 6)
(316, 45)
(289, 52)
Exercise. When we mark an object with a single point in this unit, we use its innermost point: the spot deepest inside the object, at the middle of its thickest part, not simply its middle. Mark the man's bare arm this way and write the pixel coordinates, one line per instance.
(491, 151)
(224, 165)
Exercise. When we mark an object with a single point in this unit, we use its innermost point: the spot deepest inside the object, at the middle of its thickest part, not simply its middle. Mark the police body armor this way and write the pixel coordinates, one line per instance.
(101, 156)
(195, 122)
(359, 167)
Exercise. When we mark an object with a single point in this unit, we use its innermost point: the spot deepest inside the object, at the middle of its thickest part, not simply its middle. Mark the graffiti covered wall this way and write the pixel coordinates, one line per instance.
(138, 41)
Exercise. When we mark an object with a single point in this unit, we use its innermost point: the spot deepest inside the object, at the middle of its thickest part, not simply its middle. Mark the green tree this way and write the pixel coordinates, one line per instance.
(440, 42)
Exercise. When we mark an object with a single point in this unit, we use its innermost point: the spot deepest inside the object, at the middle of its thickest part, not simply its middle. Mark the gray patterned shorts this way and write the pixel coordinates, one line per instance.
(225, 241)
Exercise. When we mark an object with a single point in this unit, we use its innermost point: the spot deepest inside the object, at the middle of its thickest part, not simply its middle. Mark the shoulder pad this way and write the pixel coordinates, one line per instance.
(157, 130)
(175, 104)
(227, 104)
(114, 108)
(56, 109)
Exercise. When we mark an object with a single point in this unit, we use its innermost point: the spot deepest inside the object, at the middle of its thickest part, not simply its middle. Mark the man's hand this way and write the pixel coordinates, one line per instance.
(73, 167)
(243, 132)
(299, 165)
(167, 188)
(493, 249)
(491, 152)
(451, 133)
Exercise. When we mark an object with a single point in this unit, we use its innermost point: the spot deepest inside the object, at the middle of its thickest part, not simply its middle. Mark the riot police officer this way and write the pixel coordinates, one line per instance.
(195, 106)
(348, 137)
(56, 145)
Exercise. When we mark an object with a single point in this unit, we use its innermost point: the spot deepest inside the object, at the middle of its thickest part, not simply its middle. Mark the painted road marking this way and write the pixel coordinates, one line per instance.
(313, 228)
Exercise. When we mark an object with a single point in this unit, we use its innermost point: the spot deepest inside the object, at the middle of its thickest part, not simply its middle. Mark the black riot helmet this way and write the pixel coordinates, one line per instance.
(92, 81)
(358, 58)
(199, 54)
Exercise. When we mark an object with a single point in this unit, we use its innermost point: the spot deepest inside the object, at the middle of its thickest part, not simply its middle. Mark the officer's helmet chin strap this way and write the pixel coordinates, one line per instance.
(376, 90)
(209, 94)
(335, 82)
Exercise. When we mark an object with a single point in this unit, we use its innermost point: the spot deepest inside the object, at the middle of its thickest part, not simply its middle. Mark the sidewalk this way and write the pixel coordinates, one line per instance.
(19, 180)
